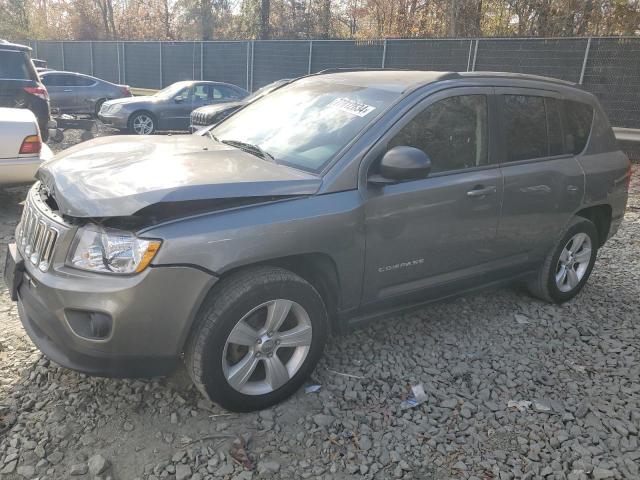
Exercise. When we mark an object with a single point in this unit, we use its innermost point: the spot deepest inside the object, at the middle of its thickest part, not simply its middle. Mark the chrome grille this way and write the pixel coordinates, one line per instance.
(199, 118)
(36, 239)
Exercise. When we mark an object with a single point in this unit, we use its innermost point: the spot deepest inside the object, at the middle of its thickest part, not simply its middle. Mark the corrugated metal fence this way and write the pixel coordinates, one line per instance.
(608, 67)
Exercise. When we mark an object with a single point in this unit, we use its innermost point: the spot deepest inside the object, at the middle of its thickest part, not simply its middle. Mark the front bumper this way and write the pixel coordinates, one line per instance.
(116, 121)
(151, 316)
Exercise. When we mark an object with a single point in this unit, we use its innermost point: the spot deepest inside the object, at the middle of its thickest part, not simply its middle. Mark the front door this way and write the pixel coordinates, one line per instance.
(176, 112)
(61, 91)
(438, 231)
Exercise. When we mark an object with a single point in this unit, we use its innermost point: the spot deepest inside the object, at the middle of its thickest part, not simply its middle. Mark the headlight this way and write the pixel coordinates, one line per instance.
(108, 250)
(112, 108)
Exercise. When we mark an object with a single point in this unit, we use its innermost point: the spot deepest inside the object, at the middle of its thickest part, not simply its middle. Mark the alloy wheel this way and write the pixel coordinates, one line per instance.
(573, 262)
(267, 347)
(143, 124)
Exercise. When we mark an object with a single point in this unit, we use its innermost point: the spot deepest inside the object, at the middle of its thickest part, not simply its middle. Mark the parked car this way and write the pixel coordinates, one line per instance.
(168, 109)
(335, 199)
(20, 86)
(21, 147)
(78, 93)
(213, 114)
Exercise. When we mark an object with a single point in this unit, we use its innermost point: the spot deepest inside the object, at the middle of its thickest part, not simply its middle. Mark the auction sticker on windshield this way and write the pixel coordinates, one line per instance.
(351, 106)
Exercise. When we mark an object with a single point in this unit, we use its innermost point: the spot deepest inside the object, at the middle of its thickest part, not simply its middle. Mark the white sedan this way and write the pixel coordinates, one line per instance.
(21, 147)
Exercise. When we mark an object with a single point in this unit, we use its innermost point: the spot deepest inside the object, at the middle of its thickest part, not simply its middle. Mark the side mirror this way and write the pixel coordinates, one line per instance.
(179, 99)
(402, 163)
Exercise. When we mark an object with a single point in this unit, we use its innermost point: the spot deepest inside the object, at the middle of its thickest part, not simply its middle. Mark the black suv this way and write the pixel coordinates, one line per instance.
(20, 86)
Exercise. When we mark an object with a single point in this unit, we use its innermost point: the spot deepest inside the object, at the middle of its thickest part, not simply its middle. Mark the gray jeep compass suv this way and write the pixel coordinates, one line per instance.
(337, 198)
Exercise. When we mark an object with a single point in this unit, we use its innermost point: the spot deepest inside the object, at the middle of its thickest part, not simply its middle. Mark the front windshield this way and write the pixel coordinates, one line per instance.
(306, 123)
(171, 90)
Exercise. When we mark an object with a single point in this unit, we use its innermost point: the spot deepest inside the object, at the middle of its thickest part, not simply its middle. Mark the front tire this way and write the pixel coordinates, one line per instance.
(256, 339)
(567, 267)
(142, 123)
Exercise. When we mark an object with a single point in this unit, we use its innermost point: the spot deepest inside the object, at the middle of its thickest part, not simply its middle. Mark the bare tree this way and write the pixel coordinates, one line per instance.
(265, 10)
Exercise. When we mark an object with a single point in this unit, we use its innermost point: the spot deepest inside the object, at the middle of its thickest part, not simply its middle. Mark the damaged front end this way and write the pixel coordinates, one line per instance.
(111, 244)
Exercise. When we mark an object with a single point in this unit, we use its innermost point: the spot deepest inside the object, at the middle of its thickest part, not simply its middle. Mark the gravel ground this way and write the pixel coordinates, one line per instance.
(515, 388)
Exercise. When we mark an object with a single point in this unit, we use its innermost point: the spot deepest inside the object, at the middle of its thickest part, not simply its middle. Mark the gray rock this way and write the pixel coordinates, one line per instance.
(97, 464)
(225, 469)
(268, 467)
(26, 471)
(323, 420)
(602, 473)
(183, 472)
(365, 443)
(78, 469)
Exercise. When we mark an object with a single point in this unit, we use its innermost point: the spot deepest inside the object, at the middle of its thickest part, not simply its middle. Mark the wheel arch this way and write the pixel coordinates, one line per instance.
(601, 216)
(319, 269)
(142, 110)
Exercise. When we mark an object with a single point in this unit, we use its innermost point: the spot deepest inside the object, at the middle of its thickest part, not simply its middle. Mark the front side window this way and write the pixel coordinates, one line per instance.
(452, 131)
(305, 124)
(525, 127)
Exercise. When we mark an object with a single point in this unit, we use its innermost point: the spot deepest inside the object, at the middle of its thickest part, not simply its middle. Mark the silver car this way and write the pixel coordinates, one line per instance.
(168, 109)
(21, 147)
(335, 199)
(78, 93)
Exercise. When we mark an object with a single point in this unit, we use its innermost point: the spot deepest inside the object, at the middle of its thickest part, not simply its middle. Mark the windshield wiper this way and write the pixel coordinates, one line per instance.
(250, 148)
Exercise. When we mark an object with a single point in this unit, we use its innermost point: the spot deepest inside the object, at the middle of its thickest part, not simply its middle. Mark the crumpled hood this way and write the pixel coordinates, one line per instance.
(118, 176)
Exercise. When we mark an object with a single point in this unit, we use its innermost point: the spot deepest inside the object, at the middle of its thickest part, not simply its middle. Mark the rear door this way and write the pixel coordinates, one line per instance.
(84, 94)
(16, 74)
(543, 182)
(179, 110)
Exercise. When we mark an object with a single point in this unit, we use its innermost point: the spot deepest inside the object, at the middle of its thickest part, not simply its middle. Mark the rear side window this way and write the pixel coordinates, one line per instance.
(16, 66)
(224, 92)
(576, 122)
(525, 124)
(83, 81)
(452, 131)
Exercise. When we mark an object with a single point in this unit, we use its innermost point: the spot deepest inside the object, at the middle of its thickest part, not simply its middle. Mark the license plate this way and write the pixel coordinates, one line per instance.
(13, 271)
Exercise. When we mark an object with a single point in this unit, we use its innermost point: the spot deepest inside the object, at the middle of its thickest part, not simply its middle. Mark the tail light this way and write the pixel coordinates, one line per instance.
(125, 90)
(40, 92)
(31, 145)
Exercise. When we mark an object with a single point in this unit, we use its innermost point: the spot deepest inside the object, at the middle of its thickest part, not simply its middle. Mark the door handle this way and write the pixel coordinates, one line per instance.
(481, 191)
(67, 90)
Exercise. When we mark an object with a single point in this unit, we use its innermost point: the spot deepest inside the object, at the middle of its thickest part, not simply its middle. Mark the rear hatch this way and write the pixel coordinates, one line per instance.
(16, 74)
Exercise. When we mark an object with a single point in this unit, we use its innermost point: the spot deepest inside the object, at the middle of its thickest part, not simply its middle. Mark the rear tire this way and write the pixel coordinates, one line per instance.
(252, 325)
(568, 265)
(98, 106)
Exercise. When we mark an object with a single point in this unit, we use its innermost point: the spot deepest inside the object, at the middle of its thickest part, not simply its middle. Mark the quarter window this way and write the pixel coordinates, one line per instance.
(452, 131)
(525, 127)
